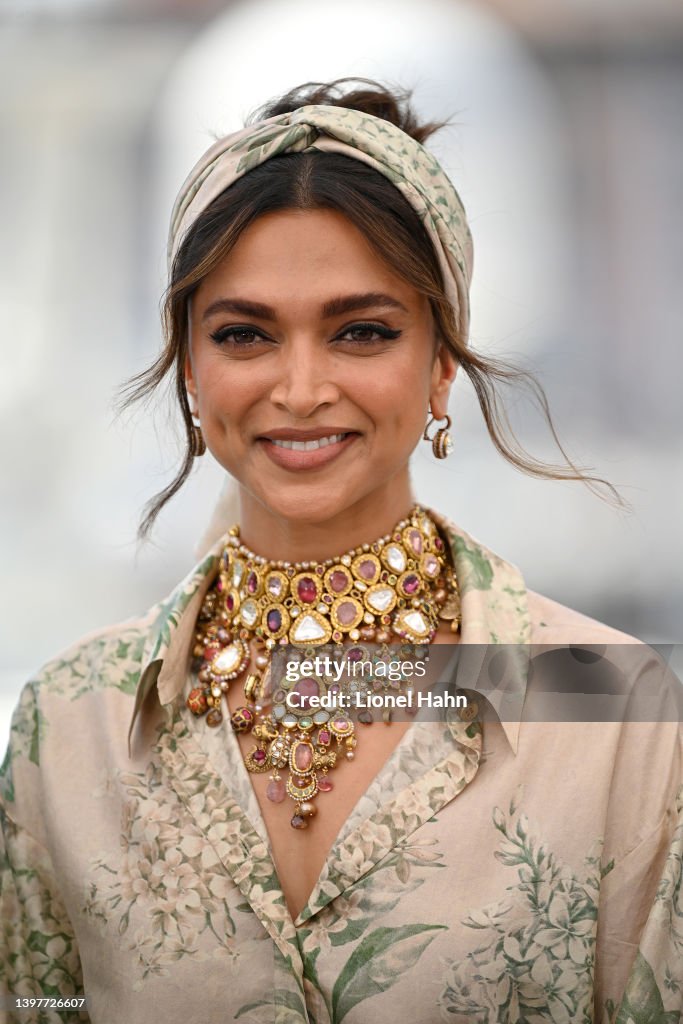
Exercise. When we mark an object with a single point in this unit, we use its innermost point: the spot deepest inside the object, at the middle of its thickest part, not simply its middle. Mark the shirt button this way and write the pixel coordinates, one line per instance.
(469, 713)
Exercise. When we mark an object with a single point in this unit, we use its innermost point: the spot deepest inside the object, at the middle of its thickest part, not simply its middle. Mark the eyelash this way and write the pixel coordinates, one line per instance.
(223, 334)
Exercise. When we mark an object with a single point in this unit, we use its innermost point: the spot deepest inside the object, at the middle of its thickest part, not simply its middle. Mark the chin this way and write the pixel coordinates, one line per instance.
(307, 504)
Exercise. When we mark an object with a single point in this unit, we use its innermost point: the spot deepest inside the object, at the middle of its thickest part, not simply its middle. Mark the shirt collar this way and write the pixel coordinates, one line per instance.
(494, 611)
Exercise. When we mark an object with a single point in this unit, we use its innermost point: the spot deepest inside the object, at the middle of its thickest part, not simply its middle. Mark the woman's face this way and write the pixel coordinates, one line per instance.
(302, 336)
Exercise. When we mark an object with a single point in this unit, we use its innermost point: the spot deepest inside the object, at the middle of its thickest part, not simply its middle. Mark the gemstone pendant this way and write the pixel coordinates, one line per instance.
(196, 701)
(275, 791)
(380, 598)
(310, 628)
(257, 761)
(366, 568)
(394, 557)
(413, 625)
(231, 660)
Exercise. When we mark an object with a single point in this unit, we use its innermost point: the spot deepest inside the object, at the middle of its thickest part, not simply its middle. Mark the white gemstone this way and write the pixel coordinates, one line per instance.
(249, 612)
(307, 628)
(416, 623)
(275, 586)
(228, 660)
(381, 599)
(237, 573)
(395, 558)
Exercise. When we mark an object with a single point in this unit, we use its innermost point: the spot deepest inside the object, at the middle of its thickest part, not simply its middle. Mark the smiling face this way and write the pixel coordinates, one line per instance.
(311, 367)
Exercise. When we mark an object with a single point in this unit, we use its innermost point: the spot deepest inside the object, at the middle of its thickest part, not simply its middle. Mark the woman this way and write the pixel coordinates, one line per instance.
(188, 828)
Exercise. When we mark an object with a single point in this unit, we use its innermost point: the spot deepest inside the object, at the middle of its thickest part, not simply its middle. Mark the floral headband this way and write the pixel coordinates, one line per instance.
(378, 143)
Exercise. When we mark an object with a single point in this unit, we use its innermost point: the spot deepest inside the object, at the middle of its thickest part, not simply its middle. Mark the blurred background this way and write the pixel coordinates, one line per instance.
(566, 148)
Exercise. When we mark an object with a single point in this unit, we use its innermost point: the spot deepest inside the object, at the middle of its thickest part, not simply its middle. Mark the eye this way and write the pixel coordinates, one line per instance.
(367, 334)
(238, 337)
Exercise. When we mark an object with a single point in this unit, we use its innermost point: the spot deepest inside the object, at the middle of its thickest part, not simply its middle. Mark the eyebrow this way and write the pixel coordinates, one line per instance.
(334, 307)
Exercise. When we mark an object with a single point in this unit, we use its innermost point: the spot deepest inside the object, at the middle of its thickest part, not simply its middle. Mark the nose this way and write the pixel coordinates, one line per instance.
(304, 379)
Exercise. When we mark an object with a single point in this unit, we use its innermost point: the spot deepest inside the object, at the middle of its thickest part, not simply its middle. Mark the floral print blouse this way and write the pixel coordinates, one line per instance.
(509, 870)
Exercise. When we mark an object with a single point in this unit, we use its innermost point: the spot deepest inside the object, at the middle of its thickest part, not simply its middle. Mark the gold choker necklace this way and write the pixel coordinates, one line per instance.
(398, 587)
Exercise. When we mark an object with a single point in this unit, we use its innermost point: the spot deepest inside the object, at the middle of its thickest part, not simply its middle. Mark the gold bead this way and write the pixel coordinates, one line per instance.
(308, 809)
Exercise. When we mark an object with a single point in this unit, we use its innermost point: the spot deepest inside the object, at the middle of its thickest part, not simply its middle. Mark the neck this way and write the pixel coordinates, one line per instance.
(306, 539)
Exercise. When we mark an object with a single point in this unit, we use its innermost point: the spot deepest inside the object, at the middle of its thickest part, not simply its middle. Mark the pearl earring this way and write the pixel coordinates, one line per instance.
(442, 442)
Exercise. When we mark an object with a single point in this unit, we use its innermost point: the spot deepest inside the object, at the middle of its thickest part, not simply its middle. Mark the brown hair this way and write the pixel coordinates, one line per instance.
(391, 225)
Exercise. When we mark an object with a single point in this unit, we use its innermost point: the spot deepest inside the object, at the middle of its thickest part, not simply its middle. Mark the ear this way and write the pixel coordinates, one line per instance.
(443, 374)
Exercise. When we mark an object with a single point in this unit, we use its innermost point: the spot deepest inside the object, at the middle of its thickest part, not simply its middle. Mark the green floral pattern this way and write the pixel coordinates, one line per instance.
(408, 165)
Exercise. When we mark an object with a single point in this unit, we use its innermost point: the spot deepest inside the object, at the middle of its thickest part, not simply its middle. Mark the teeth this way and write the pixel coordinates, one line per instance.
(310, 446)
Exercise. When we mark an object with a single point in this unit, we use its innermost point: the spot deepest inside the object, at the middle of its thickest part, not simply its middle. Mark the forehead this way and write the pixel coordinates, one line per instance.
(304, 253)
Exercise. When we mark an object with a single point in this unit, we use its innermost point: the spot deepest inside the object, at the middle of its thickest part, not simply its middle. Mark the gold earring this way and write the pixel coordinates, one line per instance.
(198, 442)
(442, 442)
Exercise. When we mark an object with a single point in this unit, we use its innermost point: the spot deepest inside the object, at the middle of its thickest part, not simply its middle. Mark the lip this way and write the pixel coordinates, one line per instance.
(292, 434)
(288, 458)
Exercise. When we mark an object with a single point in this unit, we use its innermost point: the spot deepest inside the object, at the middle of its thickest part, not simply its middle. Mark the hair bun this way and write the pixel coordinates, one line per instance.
(364, 94)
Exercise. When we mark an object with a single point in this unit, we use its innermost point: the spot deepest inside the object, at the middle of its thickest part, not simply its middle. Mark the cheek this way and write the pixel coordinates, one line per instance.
(401, 394)
(223, 389)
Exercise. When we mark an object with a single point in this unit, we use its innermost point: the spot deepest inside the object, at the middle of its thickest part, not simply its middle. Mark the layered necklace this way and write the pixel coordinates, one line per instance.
(396, 589)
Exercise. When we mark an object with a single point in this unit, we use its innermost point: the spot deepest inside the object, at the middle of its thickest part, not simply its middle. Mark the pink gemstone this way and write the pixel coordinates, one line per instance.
(220, 585)
(341, 724)
(259, 756)
(354, 654)
(438, 543)
(307, 688)
(325, 785)
(230, 602)
(275, 791)
(367, 569)
(415, 541)
(324, 737)
(303, 757)
(411, 584)
(431, 565)
(346, 613)
(252, 582)
(306, 590)
(338, 581)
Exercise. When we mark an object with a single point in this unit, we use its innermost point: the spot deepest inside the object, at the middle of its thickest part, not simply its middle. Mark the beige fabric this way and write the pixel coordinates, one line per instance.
(407, 164)
(491, 872)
